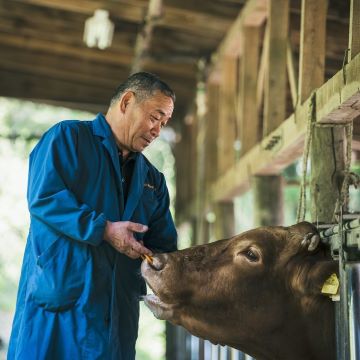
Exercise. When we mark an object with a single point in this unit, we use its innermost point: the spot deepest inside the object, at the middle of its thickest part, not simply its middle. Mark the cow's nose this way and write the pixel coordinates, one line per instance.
(158, 262)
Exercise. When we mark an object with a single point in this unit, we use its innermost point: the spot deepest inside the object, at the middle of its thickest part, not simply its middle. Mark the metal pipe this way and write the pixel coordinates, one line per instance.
(353, 300)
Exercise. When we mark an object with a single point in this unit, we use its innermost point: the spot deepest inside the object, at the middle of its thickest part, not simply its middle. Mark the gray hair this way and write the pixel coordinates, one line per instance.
(143, 84)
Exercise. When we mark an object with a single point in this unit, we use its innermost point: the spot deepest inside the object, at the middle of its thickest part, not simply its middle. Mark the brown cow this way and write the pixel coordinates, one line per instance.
(259, 292)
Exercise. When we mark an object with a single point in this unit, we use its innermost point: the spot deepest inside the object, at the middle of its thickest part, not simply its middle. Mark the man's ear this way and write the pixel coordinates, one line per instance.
(125, 100)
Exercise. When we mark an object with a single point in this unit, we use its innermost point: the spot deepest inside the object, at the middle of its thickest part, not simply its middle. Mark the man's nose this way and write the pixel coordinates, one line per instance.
(155, 131)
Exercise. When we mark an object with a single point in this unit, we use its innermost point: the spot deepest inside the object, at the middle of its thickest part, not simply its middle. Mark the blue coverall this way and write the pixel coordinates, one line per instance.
(78, 298)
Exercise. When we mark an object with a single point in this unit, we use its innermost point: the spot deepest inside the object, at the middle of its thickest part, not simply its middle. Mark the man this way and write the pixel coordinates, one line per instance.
(96, 206)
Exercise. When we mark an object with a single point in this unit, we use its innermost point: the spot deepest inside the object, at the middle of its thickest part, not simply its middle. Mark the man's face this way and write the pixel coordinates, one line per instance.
(144, 120)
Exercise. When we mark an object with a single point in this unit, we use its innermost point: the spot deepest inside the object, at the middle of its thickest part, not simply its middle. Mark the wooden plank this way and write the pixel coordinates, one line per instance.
(130, 11)
(60, 67)
(285, 144)
(64, 49)
(30, 86)
(312, 46)
(339, 102)
(275, 78)
(227, 115)
(173, 17)
(354, 29)
(248, 117)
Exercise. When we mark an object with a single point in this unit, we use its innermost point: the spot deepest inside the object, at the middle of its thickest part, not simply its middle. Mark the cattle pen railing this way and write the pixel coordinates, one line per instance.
(344, 242)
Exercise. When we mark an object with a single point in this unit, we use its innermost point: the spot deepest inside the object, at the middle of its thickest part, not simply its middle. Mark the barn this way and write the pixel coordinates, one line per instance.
(261, 85)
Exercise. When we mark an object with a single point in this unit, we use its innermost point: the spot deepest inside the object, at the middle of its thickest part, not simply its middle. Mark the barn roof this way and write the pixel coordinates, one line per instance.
(43, 56)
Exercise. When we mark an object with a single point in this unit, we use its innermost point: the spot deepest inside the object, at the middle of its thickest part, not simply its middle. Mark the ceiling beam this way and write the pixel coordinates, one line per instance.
(173, 17)
(83, 53)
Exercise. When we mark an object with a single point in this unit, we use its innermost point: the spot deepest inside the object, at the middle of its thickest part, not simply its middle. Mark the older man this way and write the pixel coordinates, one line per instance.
(96, 206)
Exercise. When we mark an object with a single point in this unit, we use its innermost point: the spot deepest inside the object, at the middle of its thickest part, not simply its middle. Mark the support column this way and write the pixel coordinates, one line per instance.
(275, 79)
(268, 200)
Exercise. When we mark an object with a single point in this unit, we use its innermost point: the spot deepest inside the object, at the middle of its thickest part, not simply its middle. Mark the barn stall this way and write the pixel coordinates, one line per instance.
(260, 84)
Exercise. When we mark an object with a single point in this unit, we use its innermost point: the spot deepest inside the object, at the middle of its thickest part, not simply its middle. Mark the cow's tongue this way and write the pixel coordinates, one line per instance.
(160, 310)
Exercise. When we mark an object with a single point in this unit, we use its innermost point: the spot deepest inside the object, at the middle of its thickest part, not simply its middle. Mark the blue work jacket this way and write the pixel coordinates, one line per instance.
(78, 298)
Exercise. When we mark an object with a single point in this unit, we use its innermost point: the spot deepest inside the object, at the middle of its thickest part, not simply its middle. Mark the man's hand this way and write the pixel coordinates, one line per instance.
(120, 235)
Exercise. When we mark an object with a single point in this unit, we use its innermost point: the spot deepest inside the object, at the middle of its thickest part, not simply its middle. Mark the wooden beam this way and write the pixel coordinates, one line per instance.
(312, 46)
(275, 78)
(143, 39)
(46, 46)
(60, 67)
(30, 86)
(354, 29)
(253, 13)
(285, 144)
(130, 10)
(248, 114)
(133, 11)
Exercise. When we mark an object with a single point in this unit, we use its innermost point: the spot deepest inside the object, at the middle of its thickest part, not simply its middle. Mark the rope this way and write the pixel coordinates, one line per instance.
(301, 210)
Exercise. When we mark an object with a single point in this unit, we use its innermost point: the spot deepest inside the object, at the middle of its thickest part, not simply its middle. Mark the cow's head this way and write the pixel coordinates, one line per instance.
(250, 286)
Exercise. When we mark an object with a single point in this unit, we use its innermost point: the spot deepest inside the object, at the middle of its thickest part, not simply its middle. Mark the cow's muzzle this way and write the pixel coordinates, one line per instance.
(159, 261)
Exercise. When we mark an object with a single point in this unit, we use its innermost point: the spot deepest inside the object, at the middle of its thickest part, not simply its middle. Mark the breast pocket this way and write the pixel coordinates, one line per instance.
(59, 275)
(147, 205)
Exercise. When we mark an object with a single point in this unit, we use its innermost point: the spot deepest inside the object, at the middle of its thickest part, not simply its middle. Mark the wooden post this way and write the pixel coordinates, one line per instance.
(248, 115)
(212, 132)
(268, 200)
(201, 140)
(354, 29)
(291, 74)
(327, 165)
(275, 80)
(312, 46)
(327, 155)
(224, 226)
(227, 114)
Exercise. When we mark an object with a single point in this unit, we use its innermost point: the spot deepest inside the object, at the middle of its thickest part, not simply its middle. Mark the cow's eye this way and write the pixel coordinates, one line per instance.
(251, 255)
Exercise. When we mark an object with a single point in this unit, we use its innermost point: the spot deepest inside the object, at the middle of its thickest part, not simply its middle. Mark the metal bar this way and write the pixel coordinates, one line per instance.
(353, 300)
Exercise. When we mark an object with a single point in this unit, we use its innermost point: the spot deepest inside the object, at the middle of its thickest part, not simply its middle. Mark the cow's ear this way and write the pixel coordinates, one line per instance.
(309, 278)
(320, 272)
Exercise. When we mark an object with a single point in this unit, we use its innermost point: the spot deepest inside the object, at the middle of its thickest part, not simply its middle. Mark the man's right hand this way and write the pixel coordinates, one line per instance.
(120, 235)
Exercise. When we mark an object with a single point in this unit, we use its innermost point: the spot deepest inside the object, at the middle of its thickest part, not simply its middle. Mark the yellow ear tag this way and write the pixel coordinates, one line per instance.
(331, 285)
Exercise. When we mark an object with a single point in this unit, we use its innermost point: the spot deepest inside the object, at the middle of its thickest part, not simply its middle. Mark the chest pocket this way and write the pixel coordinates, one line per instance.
(59, 275)
(146, 207)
